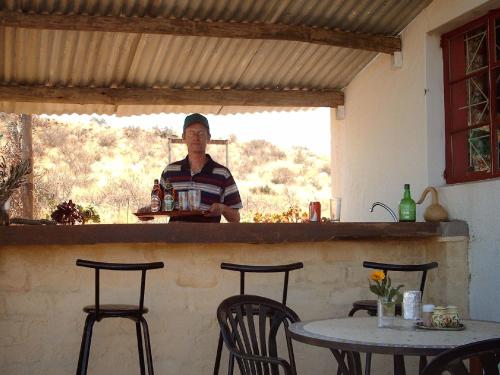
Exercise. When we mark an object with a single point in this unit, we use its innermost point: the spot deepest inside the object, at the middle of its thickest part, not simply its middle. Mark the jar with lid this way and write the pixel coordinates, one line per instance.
(439, 318)
(452, 317)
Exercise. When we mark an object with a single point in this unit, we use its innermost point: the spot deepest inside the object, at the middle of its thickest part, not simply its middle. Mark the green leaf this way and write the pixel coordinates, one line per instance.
(374, 289)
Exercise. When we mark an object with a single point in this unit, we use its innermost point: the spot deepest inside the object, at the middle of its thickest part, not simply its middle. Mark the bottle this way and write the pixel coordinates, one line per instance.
(407, 207)
(155, 197)
(168, 197)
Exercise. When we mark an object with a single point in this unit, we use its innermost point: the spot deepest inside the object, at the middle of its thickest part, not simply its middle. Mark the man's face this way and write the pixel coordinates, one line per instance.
(196, 138)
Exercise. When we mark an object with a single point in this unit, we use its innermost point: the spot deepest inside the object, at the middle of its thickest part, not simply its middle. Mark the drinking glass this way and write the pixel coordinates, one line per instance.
(335, 204)
(194, 197)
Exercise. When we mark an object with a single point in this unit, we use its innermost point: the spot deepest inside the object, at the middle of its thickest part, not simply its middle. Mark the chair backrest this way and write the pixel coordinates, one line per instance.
(404, 268)
(451, 361)
(143, 267)
(249, 326)
(242, 268)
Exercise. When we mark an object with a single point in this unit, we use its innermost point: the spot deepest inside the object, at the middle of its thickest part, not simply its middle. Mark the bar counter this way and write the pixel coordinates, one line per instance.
(221, 233)
(42, 292)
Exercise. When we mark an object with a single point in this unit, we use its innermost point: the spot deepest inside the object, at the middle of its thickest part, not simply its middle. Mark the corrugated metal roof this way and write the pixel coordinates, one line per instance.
(105, 59)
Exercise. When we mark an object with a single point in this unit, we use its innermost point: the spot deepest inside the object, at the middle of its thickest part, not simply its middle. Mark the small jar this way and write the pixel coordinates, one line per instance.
(452, 317)
(427, 311)
(439, 318)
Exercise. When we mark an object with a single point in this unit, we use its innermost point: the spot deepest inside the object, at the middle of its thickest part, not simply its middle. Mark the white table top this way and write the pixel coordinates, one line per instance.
(363, 335)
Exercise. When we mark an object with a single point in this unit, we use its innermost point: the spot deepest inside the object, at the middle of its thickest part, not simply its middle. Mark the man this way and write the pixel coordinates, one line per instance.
(219, 194)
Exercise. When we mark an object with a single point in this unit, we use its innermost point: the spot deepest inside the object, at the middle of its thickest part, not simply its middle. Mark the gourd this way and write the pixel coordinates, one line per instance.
(435, 212)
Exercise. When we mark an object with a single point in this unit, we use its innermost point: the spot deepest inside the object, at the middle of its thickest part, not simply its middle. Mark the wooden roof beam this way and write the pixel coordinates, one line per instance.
(149, 96)
(148, 25)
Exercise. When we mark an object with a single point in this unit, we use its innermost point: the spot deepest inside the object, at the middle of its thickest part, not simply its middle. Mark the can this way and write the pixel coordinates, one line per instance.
(412, 304)
(183, 201)
(314, 212)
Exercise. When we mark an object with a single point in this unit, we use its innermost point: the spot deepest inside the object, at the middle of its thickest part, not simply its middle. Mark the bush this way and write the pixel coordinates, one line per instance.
(283, 175)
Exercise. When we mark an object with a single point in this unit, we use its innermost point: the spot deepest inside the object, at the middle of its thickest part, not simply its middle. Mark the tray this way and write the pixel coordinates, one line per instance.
(174, 213)
(420, 325)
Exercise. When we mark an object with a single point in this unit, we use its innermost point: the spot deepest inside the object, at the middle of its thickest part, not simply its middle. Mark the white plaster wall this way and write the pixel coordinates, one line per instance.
(393, 133)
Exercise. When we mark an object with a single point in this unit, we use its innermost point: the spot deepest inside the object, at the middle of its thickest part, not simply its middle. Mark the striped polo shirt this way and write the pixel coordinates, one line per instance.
(214, 181)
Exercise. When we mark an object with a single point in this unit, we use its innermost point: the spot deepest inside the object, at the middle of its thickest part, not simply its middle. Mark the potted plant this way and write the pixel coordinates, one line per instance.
(10, 179)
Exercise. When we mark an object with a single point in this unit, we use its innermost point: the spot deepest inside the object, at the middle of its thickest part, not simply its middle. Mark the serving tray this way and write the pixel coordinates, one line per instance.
(420, 325)
(174, 213)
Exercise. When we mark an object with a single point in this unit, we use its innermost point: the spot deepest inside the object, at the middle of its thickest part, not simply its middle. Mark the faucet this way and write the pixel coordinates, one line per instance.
(395, 218)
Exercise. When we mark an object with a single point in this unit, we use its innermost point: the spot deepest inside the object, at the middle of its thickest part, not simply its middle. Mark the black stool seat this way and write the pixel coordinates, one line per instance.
(97, 312)
(115, 310)
(370, 306)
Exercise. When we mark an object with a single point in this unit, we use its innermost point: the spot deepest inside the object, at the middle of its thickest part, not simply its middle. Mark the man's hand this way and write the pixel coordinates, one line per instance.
(218, 209)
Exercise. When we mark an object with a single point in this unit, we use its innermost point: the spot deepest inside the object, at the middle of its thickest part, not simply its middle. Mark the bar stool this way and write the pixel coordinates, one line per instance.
(370, 306)
(242, 269)
(97, 312)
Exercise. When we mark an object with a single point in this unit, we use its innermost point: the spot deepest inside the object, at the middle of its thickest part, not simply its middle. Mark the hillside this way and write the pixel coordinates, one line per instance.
(113, 168)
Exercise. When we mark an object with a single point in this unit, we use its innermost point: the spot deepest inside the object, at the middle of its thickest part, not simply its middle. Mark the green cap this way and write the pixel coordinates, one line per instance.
(195, 118)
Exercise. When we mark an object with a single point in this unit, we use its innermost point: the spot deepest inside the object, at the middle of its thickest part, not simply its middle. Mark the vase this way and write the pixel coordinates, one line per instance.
(386, 310)
(4, 212)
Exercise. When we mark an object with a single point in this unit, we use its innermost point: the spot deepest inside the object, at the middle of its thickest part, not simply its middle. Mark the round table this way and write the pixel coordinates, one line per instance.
(361, 335)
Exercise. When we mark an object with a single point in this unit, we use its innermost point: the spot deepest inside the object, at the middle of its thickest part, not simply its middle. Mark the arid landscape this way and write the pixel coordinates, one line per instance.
(113, 168)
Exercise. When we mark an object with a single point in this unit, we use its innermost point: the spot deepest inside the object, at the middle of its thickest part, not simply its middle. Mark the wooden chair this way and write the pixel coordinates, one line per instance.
(242, 269)
(370, 306)
(486, 352)
(249, 326)
(98, 311)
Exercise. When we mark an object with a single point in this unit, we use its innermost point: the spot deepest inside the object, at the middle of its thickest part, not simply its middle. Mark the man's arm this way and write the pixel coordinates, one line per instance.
(232, 215)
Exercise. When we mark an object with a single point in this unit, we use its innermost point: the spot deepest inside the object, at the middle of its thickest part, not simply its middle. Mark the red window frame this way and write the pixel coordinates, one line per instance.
(457, 156)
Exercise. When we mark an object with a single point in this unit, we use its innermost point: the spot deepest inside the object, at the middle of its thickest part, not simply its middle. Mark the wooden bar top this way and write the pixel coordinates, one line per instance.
(179, 232)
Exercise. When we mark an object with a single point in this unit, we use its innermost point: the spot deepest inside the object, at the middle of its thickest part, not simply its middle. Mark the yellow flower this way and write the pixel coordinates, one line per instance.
(377, 276)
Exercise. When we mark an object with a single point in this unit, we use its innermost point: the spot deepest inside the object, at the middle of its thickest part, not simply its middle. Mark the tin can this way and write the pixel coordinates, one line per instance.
(183, 201)
(412, 304)
(315, 212)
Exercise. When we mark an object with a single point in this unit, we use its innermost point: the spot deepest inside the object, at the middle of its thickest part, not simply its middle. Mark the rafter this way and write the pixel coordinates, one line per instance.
(149, 96)
(149, 25)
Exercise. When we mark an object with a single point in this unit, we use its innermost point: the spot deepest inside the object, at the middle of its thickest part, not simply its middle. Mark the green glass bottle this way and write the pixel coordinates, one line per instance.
(407, 207)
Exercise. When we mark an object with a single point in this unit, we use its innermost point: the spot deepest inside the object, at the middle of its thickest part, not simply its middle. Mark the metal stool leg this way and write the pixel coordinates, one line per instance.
(218, 355)
(83, 359)
(149, 357)
(230, 368)
(368, 363)
(140, 348)
(399, 365)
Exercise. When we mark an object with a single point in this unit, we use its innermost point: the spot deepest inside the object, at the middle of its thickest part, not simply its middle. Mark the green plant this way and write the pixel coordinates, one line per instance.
(383, 288)
(12, 178)
(89, 214)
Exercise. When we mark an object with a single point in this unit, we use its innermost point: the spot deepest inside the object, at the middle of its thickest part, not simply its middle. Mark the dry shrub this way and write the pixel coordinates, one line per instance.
(283, 175)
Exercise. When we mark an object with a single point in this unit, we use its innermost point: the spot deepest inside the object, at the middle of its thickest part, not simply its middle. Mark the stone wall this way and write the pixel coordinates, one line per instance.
(42, 293)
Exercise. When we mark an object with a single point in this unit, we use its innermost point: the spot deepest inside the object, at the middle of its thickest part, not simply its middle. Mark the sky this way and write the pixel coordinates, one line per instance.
(310, 129)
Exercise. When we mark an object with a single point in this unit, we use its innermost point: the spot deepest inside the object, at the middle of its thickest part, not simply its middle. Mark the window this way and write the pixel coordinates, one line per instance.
(471, 57)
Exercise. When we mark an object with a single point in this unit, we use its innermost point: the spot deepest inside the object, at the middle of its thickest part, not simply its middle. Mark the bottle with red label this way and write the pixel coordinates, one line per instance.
(156, 197)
